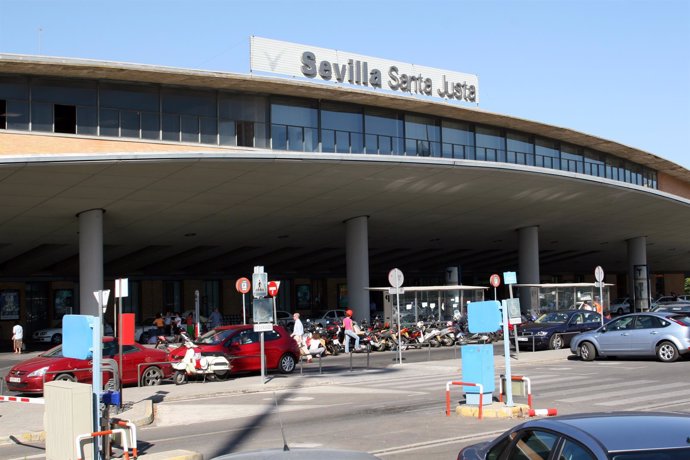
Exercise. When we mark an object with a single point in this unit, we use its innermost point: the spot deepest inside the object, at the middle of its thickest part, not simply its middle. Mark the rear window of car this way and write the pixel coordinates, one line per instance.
(685, 319)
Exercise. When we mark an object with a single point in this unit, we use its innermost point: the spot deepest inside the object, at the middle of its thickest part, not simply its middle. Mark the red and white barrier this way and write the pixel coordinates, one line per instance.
(467, 384)
(542, 412)
(123, 436)
(23, 400)
(516, 378)
(133, 430)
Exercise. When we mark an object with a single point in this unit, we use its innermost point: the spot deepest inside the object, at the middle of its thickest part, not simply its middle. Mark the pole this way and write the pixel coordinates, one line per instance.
(263, 359)
(97, 376)
(275, 314)
(517, 348)
(495, 298)
(601, 301)
(119, 340)
(397, 301)
(506, 352)
(197, 326)
(244, 312)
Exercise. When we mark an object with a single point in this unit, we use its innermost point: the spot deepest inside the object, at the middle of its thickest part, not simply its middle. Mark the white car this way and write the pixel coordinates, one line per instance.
(54, 334)
(329, 317)
(621, 306)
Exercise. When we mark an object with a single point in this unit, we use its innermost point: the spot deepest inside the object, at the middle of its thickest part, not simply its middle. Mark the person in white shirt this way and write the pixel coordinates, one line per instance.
(297, 329)
(17, 337)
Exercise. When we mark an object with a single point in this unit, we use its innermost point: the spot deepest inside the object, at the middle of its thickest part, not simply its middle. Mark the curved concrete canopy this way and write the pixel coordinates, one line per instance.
(212, 214)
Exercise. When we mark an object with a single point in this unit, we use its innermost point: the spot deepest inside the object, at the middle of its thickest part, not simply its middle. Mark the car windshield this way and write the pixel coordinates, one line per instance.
(553, 317)
(53, 352)
(215, 337)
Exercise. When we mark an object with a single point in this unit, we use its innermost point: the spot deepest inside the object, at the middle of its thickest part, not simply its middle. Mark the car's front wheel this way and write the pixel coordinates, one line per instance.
(556, 342)
(56, 339)
(152, 376)
(587, 351)
(667, 352)
(65, 378)
(286, 364)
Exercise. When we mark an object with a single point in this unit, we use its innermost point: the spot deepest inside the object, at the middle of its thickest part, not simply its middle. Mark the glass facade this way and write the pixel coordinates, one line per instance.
(175, 114)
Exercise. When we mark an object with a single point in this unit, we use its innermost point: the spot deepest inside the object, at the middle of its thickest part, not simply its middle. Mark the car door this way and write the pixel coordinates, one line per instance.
(576, 324)
(644, 334)
(615, 339)
(245, 350)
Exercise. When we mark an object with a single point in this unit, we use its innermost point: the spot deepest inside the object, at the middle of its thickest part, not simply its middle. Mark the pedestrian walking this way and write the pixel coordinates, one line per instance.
(17, 337)
(297, 330)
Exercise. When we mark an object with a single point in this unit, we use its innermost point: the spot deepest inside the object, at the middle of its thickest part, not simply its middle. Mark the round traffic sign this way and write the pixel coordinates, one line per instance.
(243, 285)
(396, 278)
(272, 288)
(495, 280)
(599, 273)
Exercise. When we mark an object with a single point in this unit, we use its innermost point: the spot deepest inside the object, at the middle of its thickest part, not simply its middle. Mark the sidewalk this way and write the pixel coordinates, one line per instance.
(24, 422)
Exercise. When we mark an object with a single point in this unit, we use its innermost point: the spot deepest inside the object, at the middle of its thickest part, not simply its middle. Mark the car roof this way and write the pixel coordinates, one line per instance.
(618, 431)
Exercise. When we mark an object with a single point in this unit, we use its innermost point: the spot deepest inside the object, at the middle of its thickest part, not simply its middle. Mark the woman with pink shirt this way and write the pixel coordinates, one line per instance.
(350, 332)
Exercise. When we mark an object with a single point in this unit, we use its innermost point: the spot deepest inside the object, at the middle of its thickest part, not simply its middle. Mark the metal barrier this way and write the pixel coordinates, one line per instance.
(468, 384)
(96, 434)
(132, 429)
(84, 369)
(22, 400)
(368, 353)
(516, 378)
(301, 364)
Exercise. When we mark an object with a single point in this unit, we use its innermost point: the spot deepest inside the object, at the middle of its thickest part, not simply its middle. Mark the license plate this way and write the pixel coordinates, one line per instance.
(522, 339)
(15, 379)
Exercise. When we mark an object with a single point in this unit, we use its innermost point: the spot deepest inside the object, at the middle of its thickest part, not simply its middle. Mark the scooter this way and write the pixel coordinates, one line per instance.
(193, 364)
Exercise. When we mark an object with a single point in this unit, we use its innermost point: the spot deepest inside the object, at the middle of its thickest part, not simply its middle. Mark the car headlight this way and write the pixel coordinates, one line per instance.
(541, 333)
(38, 372)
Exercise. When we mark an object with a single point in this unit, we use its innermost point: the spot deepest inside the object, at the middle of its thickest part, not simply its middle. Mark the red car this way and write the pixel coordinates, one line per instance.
(28, 376)
(243, 348)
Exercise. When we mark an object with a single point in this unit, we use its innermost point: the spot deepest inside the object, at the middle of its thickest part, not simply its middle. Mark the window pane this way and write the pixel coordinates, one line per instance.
(86, 120)
(14, 88)
(458, 140)
(573, 451)
(42, 117)
(17, 114)
(533, 445)
(245, 133)
(571, 159)
(209, 130)
(64, 92)
(342, 120)
(150, 125)
(227, 132)
(236, 107)
(171, 127)
(190, 128)
(279, 137)
(129, 97)
(3, 114)
(110, 122)
(293, 115)
(129, 123)
(490, 144)
(65, 118)
(189, 103)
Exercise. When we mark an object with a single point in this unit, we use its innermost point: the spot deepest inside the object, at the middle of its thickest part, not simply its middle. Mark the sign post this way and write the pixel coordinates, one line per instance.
(121, 290)
(599, 276)
(396, 279)
(243, 285)
(509, 278)
(260, 286)
(495, 281)
(97, 375)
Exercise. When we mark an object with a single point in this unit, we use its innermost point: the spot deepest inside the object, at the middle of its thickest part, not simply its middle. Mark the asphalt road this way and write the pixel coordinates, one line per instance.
(397, 418)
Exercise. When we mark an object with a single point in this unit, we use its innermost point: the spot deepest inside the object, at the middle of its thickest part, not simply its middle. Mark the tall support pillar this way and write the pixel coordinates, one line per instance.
(90, 259)
(638, 279)
(528, 269)
(357, 260)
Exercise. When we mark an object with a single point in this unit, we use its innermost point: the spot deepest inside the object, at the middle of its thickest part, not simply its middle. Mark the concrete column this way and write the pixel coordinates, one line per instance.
(90, 259)
(638, 281)
(528, 267)
(357, 260)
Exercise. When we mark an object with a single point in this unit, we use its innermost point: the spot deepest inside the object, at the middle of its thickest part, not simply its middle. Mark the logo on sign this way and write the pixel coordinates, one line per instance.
(243, 285)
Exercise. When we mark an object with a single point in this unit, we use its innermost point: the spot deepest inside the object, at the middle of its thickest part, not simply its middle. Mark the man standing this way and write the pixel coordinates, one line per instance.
(17, 337)
(216, 319)
(297, 329)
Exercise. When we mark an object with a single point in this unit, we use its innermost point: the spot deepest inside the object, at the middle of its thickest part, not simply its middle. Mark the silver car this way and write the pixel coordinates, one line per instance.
(602, 436)
(665, 335)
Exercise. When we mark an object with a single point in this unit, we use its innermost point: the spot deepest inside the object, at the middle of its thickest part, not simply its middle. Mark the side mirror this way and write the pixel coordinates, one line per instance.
(602, 329)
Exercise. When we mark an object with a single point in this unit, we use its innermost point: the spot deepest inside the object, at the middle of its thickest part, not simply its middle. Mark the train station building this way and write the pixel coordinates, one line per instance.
(328, 176)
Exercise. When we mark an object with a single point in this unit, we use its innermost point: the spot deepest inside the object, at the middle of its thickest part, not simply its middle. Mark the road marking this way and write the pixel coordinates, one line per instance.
(170, 415)
(615, 394)
(664, 395)
(297, 398)
(435, 443)
(595, 387)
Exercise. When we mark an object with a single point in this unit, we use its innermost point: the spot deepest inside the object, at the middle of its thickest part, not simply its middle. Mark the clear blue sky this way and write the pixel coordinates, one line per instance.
(615, 69)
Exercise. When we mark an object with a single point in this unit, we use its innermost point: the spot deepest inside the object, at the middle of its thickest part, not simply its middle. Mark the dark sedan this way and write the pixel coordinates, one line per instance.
(555, 329)
(602, 436)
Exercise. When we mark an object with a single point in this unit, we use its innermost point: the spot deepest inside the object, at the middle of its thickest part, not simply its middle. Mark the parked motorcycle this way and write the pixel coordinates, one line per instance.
(194, 364)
